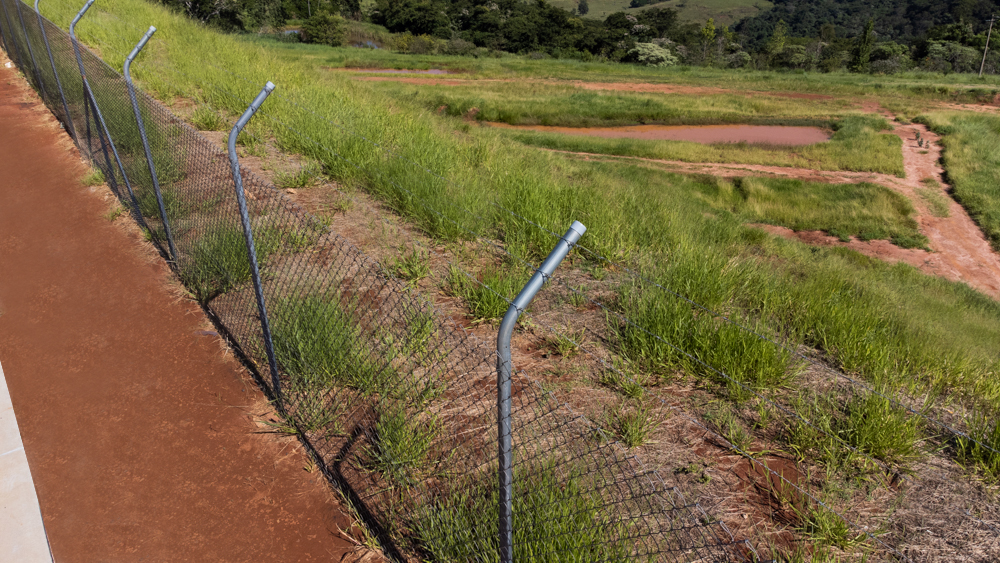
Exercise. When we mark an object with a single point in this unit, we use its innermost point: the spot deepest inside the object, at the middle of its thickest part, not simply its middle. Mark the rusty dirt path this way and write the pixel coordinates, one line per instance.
(141, 431)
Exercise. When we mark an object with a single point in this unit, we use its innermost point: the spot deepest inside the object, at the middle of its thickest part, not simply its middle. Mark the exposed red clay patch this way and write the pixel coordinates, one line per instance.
(755, 134)
(137, 424)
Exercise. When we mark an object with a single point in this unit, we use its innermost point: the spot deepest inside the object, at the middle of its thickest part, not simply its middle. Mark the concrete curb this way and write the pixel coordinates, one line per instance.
(22, 534)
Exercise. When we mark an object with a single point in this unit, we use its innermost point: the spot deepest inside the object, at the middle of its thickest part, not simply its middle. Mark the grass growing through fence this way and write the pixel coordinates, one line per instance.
(219, 261)
(866, 211)
(401, 444)
(556, 518)
(317, 343)
(488, 298)
(981, 449)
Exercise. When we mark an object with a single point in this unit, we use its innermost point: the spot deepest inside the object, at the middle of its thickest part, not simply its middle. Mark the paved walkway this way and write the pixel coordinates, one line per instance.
(22, 535)
(137, 425)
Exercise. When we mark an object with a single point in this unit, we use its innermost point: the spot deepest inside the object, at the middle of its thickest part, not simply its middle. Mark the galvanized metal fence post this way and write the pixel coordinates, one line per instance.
(55, 72)
(505, 474)
(31, 52)
(145, 141)
(88, 94)
(16, 51)
(234, 162)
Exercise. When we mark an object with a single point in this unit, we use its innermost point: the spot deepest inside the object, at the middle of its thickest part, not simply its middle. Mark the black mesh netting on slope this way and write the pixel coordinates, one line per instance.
(396, 400)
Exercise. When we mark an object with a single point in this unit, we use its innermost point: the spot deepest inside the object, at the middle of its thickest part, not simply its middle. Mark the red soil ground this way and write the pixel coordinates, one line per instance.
(138, 426)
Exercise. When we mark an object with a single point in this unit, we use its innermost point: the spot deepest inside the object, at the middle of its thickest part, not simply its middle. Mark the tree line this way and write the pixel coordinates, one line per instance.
(878, 36)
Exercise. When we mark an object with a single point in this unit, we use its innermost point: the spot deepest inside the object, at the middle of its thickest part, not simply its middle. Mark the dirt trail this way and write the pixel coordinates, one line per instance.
(142, 432)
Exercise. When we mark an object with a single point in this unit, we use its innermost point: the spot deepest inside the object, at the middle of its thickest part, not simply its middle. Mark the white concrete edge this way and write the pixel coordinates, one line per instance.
(22, 532)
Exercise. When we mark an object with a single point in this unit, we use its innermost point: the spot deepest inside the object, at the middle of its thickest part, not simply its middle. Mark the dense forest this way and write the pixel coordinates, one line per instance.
(879, 36)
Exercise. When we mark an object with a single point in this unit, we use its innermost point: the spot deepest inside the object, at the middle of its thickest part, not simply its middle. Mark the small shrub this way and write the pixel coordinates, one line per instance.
(324, 28)
(651, 54)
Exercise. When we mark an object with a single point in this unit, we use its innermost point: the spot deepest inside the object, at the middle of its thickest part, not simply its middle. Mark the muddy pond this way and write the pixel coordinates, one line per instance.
(707, 134)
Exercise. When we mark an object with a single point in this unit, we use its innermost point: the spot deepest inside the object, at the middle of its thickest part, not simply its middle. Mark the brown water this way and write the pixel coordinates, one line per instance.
(757, 134)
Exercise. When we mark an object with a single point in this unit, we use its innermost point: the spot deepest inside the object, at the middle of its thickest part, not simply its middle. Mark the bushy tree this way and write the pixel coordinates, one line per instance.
(324, 28)
(651, 54)
(582, 7)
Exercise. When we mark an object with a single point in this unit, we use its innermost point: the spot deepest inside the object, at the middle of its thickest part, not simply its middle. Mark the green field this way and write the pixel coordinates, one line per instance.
(412, 148)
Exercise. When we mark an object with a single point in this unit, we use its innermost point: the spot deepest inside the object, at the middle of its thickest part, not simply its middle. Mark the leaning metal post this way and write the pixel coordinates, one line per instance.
(52, 61)
(145, 141)
(89, 95)
(16, 51)
(504, 369)
(234, 162)
(31, 52)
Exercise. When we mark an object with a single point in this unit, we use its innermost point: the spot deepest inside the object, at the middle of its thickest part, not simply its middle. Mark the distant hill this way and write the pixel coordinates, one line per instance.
(725, 12)
(898, 20)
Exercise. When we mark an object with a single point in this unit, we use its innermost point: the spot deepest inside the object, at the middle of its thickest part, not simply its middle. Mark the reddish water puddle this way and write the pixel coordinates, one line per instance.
(755, 134)
(394, 70)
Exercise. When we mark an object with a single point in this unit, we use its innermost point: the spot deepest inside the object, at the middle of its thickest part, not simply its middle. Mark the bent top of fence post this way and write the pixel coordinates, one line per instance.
(245, 118)
(72, 24)
(135, 52)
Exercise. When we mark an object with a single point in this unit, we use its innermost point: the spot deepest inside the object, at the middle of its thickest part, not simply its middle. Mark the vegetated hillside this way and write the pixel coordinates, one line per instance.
(725, 12)
(899, 20)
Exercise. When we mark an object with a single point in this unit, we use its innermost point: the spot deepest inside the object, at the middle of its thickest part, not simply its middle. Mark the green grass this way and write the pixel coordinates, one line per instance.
(876, 321)
(981, 449)
(856, 146)
(93, 178)
(489, 299)
(971, 158)
(207, 119)
(937, 203)
(401, 444)
(318, 344)
(412, 266)
(556, 518)
(546, 103)
(866, 211)
(218, 260)
(632, 423)
(880, 429)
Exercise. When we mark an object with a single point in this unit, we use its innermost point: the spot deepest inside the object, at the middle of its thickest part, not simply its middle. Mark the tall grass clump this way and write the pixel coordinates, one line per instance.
(317, 343)
(981, 449)
(218, 260)
(881, 429)
(488, 297)
(401, 444)
(556, 518)
(667, 335)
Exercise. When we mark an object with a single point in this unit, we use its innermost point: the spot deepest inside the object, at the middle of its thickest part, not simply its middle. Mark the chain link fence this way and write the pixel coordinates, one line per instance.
(395, 400)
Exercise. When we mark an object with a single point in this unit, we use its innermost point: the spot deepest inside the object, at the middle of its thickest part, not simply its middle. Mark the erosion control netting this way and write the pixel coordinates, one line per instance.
(396, 401)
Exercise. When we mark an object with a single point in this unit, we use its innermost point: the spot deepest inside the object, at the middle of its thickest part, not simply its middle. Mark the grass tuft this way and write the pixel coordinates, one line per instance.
(401, 444)
(556, 518)
(207, 119)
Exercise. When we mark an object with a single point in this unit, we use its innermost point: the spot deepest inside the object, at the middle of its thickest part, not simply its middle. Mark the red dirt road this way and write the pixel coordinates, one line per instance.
(139, 428)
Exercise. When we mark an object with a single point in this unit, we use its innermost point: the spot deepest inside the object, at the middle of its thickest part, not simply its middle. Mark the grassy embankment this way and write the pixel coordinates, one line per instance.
(972, 160)
(888, 324)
